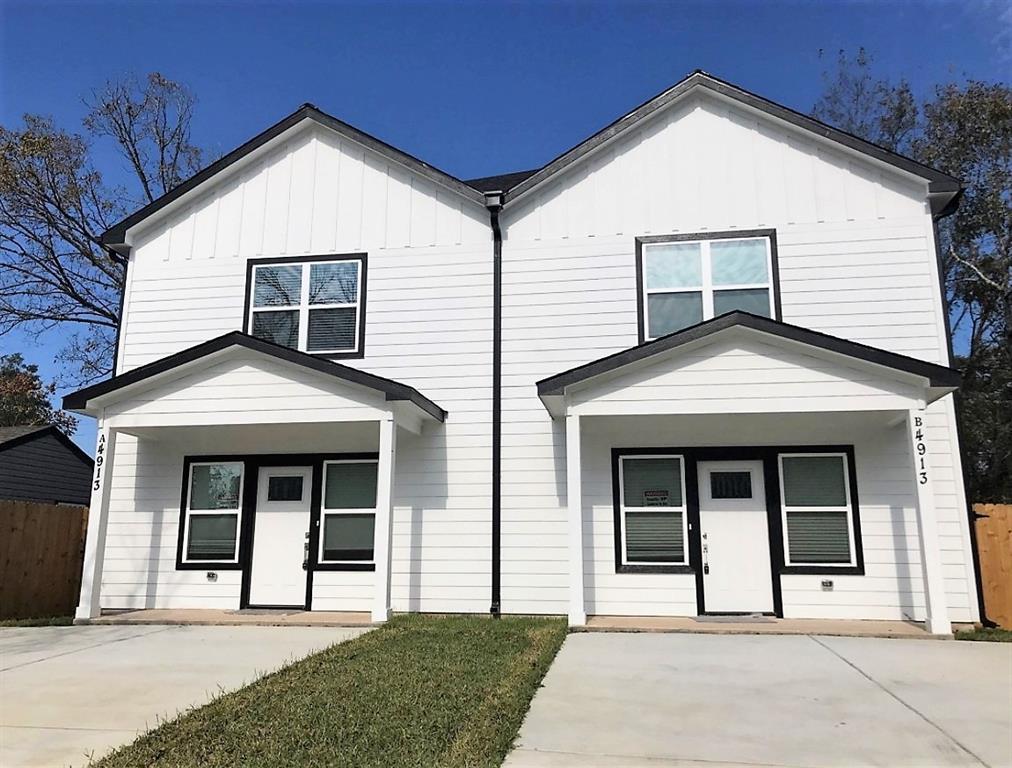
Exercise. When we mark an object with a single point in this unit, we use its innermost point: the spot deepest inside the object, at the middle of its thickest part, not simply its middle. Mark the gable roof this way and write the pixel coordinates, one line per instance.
(943, 189)
(11, 437)
(7, 434)
(940, 185)
(937, 375)
(393, 390)
(114, 237)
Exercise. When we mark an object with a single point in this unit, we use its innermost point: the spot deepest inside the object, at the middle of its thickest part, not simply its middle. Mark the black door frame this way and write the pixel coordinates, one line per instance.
(767, 454)
(252, 463)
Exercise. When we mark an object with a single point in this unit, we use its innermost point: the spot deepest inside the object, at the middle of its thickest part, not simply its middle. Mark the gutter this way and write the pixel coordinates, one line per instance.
(494, 203)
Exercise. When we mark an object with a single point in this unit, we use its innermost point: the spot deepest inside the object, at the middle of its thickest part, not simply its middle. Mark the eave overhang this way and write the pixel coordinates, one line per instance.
(393, 391)
(938, 379)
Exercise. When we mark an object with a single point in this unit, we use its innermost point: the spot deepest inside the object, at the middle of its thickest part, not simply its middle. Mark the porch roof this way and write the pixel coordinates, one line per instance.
(82, 399)
(937, 380)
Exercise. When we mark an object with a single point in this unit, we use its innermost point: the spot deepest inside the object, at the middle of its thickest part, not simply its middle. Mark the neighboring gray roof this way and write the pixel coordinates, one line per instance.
(26, 433)
(7, 434)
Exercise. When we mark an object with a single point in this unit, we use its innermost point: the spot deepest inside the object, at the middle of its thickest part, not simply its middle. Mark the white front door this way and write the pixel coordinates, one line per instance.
(280, 532)
(735, 537)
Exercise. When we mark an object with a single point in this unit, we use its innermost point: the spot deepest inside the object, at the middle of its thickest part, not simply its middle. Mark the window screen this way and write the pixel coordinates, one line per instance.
(350, 485)
(652, 482)
(817, 509)
(348, 537)
(212, 537)
(814, 481)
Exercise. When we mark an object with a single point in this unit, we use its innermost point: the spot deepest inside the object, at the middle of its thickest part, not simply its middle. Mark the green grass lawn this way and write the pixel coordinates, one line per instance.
(418, 691)
(991, 635)
(51, 621)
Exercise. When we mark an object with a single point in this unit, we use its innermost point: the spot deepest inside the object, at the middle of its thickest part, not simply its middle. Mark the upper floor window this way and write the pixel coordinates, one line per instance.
(311, 304)
(686, 279)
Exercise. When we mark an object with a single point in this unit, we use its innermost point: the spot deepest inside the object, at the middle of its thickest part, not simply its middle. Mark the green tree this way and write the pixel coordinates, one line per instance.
(54, 204)
(24, 399)
(963, 129)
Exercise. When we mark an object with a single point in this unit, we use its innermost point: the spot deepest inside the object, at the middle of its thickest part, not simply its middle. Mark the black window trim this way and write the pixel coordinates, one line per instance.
(361, 257)
(730, 234)
(185, 513)
(324, 512)
(769, 456)
(621, 566)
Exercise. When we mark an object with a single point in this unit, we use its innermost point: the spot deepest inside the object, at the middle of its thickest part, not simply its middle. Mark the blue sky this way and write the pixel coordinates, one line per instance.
(473, 88)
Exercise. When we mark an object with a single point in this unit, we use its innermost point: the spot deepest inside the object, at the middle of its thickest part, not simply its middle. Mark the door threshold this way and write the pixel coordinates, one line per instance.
(252, 610)
(736, 618)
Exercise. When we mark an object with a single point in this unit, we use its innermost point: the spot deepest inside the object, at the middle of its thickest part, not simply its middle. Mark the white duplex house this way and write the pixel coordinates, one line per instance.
(697, 364)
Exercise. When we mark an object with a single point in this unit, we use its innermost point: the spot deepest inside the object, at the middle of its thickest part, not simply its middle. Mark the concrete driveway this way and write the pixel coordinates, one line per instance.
(722, 700)
(67, 693)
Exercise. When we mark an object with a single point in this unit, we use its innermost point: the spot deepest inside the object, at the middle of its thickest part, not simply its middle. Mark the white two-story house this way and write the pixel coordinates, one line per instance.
(697, 364)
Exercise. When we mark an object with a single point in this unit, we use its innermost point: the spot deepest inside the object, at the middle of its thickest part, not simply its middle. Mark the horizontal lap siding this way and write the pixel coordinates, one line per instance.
(428, 324)
(856, 260)
(141, 539)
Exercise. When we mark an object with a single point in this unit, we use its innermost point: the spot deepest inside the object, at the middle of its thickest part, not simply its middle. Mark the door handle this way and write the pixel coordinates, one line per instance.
(305, 553)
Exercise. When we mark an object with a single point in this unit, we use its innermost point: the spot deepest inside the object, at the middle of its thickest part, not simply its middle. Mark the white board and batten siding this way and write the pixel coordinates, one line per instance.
(428, 324)
(856, 260)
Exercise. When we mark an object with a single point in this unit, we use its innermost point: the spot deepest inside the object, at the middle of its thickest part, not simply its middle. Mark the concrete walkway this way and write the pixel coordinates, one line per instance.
(655, 700)
(260, 617)
(758, 625)
(67, 693)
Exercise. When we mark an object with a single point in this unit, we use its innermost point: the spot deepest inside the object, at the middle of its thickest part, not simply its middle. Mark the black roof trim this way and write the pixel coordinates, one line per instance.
(937, 375)
(393, 390)
(500, 182)
(115, 235)
(938, 182)
(30, 433)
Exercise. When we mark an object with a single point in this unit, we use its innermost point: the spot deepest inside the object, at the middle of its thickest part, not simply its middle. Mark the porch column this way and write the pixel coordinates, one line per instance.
(927, 528)
(574, 496)
(384, 504)
(89, 605)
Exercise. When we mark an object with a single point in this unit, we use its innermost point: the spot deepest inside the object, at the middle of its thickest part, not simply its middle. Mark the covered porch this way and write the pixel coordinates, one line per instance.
(241, 475)
(747, 467)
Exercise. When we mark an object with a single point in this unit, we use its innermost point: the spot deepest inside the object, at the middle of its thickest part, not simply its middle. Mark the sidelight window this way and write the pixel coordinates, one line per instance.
(817, 509)
(652, 510)
(213, 510)
(348, 514)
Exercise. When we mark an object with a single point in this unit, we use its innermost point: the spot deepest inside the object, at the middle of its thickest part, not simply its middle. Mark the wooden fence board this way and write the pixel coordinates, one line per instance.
(41, 553)
(994, 547)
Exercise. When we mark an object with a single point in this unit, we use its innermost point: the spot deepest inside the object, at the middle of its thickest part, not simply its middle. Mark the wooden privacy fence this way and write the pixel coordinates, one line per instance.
(994, 546)
(41, 552)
